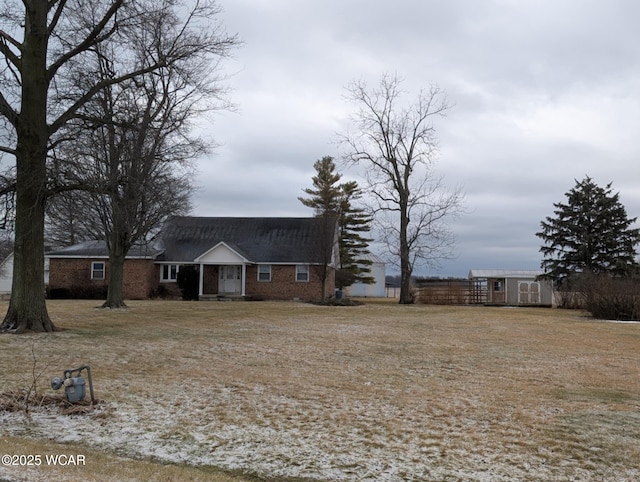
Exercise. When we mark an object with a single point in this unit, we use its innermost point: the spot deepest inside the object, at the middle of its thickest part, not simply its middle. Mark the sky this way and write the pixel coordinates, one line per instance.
(543, 93)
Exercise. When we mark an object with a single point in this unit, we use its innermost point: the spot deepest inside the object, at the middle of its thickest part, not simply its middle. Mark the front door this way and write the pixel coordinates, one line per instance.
(230, 279)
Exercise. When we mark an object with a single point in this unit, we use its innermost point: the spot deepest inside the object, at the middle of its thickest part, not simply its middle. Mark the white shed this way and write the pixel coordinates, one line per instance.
(374, 290)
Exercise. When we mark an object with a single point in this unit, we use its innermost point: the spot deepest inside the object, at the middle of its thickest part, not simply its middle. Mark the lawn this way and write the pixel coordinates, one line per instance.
(246, 391)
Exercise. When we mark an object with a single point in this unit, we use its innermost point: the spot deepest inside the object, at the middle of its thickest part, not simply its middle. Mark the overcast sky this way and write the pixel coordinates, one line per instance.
(544, 92)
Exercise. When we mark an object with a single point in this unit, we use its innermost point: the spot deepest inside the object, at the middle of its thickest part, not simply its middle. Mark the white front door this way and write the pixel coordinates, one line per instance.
(230, 279)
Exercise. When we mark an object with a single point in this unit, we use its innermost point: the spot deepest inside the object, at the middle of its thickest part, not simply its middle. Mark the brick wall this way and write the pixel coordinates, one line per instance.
(283, 284)
(140, 277)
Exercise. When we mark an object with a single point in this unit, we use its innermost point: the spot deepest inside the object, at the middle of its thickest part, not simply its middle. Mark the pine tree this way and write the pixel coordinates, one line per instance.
(325, 198)
(590, 234)
(328, 198)
(354, 248)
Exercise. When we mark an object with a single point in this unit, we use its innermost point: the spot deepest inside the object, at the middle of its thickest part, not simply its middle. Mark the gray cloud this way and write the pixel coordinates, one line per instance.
(544, 93)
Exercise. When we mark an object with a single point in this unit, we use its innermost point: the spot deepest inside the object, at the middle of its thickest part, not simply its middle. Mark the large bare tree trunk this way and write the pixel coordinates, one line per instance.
(117, 254)
(115, 294)
(406, 270)
(27, 309)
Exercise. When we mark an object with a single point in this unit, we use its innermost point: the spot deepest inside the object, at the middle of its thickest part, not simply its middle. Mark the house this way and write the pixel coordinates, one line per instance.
(82, 271)
(264, 258)
(6, 275)
(510, 287)
(372, 290)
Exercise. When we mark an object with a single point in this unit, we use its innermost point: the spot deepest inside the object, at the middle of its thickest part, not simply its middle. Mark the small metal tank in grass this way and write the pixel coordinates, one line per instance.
(74, 384)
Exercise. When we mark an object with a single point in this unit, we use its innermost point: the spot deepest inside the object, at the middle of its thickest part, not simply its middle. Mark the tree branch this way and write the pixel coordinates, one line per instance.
(96, 36)
(6, 51)
(7, 111)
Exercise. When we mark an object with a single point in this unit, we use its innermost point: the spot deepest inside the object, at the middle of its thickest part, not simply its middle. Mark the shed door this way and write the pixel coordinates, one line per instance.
(496, 290)
(528, 293)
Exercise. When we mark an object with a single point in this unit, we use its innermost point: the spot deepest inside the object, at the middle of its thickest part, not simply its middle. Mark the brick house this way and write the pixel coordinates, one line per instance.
(260, 258)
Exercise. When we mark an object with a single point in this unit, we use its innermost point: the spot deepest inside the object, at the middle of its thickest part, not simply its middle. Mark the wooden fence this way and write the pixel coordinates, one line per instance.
(451, 292)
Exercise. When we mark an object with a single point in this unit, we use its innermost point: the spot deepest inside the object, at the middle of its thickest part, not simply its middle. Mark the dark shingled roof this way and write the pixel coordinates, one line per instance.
(98, 249)
(259, 240)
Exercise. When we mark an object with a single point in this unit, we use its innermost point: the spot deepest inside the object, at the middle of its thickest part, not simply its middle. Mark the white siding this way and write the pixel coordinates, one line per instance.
(6, 274)
(375, 290)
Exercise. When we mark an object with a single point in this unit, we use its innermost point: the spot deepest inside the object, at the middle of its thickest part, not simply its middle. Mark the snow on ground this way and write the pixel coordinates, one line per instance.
(149, 428)
(298, 443)
(354, 402)
(285, 437)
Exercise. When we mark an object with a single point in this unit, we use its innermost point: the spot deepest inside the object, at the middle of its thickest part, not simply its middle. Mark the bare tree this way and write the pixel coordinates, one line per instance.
(66, 219)
(48, 74)
(324, 250)
(397, 144)
(135, 147)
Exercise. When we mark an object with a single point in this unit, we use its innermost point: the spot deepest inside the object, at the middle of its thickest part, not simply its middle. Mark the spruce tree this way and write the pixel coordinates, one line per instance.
(590, 234)
(355, 265)
(325, 198)
(328, 198)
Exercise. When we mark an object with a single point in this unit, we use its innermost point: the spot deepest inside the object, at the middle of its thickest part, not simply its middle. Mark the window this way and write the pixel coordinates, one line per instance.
(264, 272)
(302, 273)
(169, 272)
(97, 270)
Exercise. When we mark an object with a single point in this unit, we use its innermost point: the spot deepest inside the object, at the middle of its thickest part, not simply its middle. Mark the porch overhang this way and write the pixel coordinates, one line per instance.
(222, 255)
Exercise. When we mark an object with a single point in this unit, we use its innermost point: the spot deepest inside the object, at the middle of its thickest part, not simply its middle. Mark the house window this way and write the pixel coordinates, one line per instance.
(302, 272)
(97, 270)
(169, 272)
(264, 272)
(497, 285)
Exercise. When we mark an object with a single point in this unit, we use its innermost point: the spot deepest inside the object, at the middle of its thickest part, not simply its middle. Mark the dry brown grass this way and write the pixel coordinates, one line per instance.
(100, 466)
(372, 392)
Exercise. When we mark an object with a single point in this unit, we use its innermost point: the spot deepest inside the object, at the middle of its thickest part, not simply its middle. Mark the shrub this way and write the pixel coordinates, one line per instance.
(79, 292)
(569, 299)
(59, 293)
(188, 282)
(160, 292)
(612, 298)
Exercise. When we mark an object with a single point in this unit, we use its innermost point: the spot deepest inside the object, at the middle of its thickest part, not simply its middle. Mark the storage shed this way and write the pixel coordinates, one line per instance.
(511, 287)
(373, 290)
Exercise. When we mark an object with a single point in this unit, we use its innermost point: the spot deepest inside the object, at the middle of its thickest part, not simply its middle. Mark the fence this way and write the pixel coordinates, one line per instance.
(451, 292)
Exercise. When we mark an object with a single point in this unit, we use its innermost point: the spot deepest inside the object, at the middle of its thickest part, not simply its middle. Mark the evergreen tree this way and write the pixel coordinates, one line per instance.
(590, 234)
(325, 198)
(354, 223)
(328, 198)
